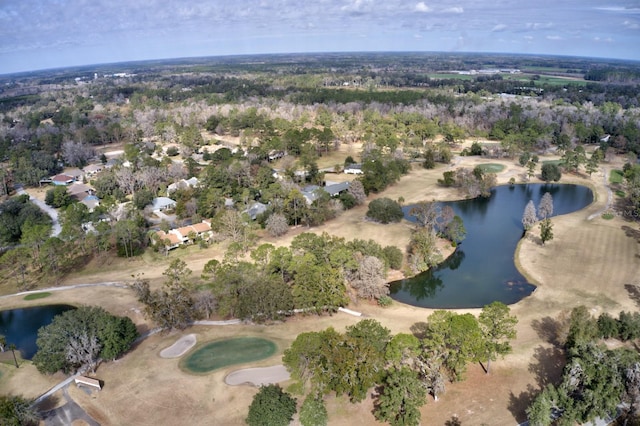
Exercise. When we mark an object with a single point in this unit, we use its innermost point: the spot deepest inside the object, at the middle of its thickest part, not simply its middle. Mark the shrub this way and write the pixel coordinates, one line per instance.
(271, 406)
(393, 255)
(385, 210)
(385, 301)
(313, 412)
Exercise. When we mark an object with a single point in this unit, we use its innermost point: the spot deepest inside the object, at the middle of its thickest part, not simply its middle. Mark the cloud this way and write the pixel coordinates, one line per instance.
(498, 28)
(632, 25)
(455, 9)
(554, 37)
(538, 25)
(421, 7)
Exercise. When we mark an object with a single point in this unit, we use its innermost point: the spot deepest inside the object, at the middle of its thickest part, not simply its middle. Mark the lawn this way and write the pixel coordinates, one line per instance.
(223, 353)
(35, 296)
(491, 167)
(616, 176)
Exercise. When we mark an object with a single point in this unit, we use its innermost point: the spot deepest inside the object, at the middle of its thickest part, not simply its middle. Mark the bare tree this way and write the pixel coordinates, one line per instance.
(277, 225)
(529, 218)
(126, 180)
(369, 279)
(83, 350)
(76, 154)
(357, 190)
(204, 303)
(545, 208)
(151, 178)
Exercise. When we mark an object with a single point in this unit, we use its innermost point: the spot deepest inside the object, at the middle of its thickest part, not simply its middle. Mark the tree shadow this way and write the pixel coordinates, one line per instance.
(634, 293)
(419, 329)
(518, 404)
(453, 421)
(547, 365)
(48, 404)
(548, 329)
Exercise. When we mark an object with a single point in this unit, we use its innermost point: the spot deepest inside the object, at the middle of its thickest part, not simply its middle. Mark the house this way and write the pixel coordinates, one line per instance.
(93, 169)
(255, 210)
(91, 201)
(162, 204)
(274, 155)
(170, 240)
(178, 236)
(77, 174)
(353, 169)
(79, 190)
(182, 184)
(336, 189)
(310, 193)
(62, 179)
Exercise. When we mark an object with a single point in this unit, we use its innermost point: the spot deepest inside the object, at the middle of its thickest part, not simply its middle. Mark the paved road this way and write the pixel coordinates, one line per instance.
(53, 214)
(67, 414)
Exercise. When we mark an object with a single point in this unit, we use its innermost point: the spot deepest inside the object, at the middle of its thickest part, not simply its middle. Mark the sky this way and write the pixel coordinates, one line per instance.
(43, 34)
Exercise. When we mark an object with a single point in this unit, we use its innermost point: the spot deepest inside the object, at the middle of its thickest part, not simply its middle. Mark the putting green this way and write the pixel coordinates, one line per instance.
(227, 352)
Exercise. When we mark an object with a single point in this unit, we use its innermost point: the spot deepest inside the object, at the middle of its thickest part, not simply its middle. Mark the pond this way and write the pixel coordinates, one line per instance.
(20, 326)
(482, 269)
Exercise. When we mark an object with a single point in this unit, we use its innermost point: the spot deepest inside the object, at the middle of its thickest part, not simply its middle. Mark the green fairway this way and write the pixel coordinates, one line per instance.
(35, 296)
(615, 176)
(223, 353)
(491, 167)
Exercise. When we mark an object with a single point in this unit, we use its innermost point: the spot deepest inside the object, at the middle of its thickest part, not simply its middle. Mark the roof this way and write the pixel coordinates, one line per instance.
(62, 178)
(77, 188)
(256, 209)
(76, 173)
(161, 202)
(337, 188)
(92, 168)
(201, 227)
(173, 238)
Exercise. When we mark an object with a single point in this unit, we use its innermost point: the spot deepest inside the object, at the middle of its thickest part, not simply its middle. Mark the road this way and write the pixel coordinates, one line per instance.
(53, 214)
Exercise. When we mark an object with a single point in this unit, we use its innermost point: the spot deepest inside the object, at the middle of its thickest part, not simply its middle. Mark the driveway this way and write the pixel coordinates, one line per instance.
(53, 214)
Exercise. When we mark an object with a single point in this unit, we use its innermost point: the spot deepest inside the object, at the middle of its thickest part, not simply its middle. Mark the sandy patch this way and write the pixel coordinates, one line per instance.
(258, 376)
(180, 347)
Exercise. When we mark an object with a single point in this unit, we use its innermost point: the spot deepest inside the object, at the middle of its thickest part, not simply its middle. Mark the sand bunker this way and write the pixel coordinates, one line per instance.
(258, 376)
(180, 347)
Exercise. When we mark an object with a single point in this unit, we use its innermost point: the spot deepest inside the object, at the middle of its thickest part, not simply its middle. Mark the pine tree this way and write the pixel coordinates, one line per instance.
(545, 208)
(546, 230)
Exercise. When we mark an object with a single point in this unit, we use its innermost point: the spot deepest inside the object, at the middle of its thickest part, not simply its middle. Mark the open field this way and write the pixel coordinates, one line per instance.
(591, 262)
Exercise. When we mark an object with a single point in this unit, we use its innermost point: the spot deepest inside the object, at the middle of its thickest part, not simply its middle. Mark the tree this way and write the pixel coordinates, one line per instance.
(172, 306)
(531, 169)
(498, 327)
(546, 230)
(529, 218)
(551, 172)
(277, 225)
(317, 286)
(58, 196)
(423, 250)
(401, 397)
(369, 279)
(385, 210)
(271, 406)
(17, 411)
(455, 230)
(80, 338)
(545, 208)
(313, 412)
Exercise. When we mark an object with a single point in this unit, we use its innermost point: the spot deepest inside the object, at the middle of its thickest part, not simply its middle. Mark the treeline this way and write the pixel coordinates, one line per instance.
(317, 274)
(403, 368)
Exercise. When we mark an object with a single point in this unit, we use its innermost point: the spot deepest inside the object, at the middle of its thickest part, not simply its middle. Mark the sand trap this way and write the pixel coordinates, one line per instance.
(258, 376)
(180, 347)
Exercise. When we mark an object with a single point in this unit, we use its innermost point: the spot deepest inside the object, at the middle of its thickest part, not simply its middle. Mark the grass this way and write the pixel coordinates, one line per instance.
(616, 176)
(620, 193)
(491, 167)
(35, 296)
(556, 162)
(608, 216)
(223, 353)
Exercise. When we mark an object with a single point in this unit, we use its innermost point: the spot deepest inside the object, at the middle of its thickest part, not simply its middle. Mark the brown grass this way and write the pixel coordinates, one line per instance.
(588, 262)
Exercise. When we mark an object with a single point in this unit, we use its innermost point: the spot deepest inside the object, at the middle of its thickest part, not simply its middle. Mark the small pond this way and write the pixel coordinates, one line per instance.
(20, 326)
(482, 269)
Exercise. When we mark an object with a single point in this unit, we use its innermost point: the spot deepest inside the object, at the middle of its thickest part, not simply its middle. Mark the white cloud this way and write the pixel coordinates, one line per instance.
(421, 7)
(538, 25)
(528, 38)
(455, 9)
(632, 25)
(553, 37)
(499, 27)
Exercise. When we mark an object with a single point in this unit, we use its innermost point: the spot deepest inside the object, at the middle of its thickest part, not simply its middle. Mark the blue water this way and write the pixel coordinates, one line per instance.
(20, 326)
(482, 269)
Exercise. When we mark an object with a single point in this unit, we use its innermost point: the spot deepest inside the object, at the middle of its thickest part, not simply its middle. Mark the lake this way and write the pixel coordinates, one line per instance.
(20, 326)
(482, 269)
